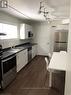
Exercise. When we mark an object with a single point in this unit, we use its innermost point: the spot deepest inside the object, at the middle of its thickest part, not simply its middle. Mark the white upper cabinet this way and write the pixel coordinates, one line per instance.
(24, 31)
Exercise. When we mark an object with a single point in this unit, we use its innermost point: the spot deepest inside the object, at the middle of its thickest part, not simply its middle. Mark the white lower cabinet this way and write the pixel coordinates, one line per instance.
(34, 51)
(22, 59)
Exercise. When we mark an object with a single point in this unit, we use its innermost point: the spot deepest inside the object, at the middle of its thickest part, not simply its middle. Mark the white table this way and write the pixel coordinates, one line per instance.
(57, 62)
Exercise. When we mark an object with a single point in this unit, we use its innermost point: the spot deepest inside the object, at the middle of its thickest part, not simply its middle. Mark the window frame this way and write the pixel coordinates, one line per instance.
(9, 29)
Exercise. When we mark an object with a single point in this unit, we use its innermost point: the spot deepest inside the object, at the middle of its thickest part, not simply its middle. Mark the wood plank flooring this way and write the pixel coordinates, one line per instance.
(33, 80)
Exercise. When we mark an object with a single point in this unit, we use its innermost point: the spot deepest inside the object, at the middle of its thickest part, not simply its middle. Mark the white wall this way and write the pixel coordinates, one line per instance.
(68, 72)
(9, 19)
(43, 36)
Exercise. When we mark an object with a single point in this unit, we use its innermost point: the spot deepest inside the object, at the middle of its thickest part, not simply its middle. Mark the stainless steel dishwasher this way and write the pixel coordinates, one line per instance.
(29, 53)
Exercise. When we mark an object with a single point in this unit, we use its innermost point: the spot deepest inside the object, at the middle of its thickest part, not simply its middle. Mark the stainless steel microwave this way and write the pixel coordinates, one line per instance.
(30, 34)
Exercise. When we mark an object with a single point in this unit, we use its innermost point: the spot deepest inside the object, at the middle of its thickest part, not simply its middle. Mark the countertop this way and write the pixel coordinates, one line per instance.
(58, 61)
(11, 51)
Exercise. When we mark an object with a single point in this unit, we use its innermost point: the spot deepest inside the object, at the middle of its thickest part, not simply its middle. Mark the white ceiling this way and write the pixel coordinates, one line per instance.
(30, 9)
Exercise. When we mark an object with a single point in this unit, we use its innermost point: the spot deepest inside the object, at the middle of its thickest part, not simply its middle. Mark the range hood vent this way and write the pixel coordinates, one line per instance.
(2, 34)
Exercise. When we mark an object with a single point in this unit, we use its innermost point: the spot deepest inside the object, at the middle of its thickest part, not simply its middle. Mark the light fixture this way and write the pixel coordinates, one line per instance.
(2, 34)
(43, 10)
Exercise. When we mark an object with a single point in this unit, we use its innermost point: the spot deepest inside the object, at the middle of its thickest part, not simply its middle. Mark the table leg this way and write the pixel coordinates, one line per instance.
(50, 79)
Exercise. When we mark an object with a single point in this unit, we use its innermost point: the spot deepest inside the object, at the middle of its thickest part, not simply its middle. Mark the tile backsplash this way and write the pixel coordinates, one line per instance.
(13, 42)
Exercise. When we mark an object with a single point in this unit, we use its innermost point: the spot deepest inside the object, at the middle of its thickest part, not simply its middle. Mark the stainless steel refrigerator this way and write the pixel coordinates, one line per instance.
(60, 41)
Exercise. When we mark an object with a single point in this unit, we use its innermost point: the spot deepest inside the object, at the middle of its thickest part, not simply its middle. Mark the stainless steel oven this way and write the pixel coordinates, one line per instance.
(8, 67)
(0, 63)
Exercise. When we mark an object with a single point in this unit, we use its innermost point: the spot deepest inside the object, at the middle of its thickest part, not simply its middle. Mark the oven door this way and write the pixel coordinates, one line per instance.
(0, 70)
(8, 71)
(8, 64)
(0, 64)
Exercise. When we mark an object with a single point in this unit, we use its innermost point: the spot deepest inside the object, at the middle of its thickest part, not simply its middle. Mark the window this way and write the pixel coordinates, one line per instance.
(9, 30)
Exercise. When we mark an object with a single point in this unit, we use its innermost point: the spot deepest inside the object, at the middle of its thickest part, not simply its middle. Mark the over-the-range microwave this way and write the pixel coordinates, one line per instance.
(30, 34)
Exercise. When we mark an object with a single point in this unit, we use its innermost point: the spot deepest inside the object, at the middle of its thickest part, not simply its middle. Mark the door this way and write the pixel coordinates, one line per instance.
(44, 47)
(43, 39)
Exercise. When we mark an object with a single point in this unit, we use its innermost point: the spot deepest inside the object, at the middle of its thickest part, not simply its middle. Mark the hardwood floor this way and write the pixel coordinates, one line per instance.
(33, 80)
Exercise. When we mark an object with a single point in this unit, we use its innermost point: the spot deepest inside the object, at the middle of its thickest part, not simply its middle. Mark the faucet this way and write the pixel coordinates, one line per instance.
(13, 47)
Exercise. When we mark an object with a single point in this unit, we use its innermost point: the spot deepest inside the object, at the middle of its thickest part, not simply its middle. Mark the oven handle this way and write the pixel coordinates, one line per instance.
(4, 60)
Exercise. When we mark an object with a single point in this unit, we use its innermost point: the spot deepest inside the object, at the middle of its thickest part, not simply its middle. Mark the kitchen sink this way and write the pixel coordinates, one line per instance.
(14, 50)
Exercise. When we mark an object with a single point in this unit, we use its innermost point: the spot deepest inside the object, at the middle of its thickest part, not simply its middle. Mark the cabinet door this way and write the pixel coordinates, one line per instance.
(22, 59)
(24, 29)
(34, 51)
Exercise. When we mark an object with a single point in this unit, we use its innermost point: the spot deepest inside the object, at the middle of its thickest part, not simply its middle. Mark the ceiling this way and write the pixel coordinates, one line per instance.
(58, 9)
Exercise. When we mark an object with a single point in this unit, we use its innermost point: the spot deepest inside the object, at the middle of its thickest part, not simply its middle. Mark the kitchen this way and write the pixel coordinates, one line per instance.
(38, 42)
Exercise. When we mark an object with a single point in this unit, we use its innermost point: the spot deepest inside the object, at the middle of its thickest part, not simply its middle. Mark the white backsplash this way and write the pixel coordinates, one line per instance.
(12, 42)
